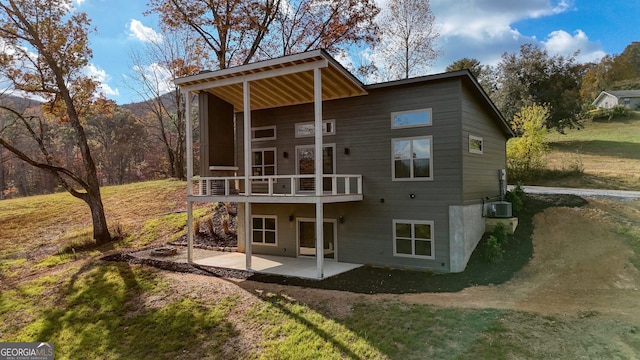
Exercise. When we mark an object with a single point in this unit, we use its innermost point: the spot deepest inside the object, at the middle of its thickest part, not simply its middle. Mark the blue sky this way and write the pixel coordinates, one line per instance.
(481, 29)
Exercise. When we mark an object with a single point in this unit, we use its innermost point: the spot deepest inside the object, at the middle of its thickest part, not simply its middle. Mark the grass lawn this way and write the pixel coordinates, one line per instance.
(54, 287)
(608, 152)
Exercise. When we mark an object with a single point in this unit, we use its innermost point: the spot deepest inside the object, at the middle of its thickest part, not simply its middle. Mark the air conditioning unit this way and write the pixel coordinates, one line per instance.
(500, 209)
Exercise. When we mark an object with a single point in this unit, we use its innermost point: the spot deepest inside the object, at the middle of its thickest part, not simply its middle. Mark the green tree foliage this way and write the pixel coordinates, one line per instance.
(534, 77)
(483, 73)
(525, 153)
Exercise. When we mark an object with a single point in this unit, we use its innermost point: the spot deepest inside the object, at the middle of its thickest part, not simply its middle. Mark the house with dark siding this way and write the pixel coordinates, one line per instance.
(398, 173)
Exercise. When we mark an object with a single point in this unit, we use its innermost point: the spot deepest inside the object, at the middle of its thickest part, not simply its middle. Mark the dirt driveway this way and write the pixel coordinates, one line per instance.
(582, 266)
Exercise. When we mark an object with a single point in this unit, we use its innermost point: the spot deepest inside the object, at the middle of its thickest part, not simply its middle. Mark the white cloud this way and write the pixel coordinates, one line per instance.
(485, 29)
(155, 75)
(144, 33)
(562, 43)
(101, 76)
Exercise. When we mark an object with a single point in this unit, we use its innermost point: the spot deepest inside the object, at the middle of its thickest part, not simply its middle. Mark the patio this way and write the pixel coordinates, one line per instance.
(267, 264)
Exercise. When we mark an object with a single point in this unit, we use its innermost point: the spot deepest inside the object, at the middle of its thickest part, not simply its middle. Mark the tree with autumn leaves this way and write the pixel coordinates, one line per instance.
(238, 32)
(45, 51)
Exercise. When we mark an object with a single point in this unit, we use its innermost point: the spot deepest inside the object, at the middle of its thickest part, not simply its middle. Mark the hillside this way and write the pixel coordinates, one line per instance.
(602, 154)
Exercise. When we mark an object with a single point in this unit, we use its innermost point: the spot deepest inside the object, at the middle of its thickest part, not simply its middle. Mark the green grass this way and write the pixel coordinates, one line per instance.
(92, 309)
(602, 154)
(100, 313)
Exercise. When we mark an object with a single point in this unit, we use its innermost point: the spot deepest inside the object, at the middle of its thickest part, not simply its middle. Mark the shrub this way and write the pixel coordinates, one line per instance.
(493, 250)
(500, 233)
(617, 111)
(516, 197)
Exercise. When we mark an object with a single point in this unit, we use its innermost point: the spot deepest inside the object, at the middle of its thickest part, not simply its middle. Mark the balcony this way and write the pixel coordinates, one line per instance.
(277, 189)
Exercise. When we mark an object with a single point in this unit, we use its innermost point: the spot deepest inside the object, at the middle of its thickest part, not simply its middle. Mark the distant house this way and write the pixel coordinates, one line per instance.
(398, 173)
(609, 99)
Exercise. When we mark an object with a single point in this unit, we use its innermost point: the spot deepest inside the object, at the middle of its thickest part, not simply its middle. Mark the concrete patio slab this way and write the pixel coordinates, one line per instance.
(267, 264)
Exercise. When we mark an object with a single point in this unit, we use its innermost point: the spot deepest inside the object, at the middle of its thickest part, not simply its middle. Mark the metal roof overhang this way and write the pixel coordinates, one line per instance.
(278, 82)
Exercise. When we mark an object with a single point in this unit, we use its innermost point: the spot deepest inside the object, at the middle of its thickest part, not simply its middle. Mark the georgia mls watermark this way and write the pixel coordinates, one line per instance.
(26, 351)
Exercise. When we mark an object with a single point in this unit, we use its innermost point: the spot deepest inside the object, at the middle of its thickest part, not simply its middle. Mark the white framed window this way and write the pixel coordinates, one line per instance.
(413, 238)
(475, 144)
(263, 133)
(264, 230)
(411, 118)
(411, 159)
(307, 129)
(263, 163)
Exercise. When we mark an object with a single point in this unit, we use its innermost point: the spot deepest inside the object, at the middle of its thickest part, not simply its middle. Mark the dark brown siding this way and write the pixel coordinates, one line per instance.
(363, 125)
(220, 130)
(481, 170)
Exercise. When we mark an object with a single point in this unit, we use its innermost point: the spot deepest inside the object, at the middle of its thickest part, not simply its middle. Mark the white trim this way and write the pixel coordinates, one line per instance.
(476, 138)
(325, 132)
(416, 111)
(413, 238)
(412, 178)
(264, 230)
(254, 66)
(313, 220)
(254, 129)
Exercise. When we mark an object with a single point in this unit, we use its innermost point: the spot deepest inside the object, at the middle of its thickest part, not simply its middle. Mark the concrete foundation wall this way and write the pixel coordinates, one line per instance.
(466, 227)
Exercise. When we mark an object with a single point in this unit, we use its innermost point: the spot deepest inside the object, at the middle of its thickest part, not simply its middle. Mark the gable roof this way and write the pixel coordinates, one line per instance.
(618, 94)
(289, 80)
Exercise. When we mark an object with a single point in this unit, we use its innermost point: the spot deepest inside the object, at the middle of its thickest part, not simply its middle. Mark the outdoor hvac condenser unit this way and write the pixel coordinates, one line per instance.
(500, 209)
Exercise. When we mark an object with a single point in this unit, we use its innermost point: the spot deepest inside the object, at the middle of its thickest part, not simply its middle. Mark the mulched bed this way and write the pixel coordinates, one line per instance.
(371, 279)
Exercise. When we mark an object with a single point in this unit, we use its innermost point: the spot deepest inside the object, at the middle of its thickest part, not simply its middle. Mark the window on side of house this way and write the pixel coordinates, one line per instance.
(475, 144)
(411, 118)
(413, 238)
(264, 230)
(263, 163)
(411, 159)
(307, 129)
(263, 133)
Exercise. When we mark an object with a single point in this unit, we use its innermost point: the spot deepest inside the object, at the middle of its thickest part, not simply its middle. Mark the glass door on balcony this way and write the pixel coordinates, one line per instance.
(307, 236)
(305, 158)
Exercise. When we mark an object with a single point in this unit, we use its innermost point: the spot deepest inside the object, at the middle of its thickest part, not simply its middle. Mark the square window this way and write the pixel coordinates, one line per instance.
(264, 230)
(413, 238)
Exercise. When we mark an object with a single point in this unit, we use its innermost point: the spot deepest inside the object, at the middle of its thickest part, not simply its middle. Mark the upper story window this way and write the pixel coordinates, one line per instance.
(475, 144)
(263, 163)
(412, 118)
(412, 158)
(307, 129)
(263, 133)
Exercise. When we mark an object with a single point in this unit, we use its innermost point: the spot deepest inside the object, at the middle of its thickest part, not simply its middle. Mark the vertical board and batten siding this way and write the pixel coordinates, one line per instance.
(363, 124)
(480, 171)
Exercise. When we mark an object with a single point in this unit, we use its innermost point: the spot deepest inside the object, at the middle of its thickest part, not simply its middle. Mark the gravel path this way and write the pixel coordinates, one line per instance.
(602, 193)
